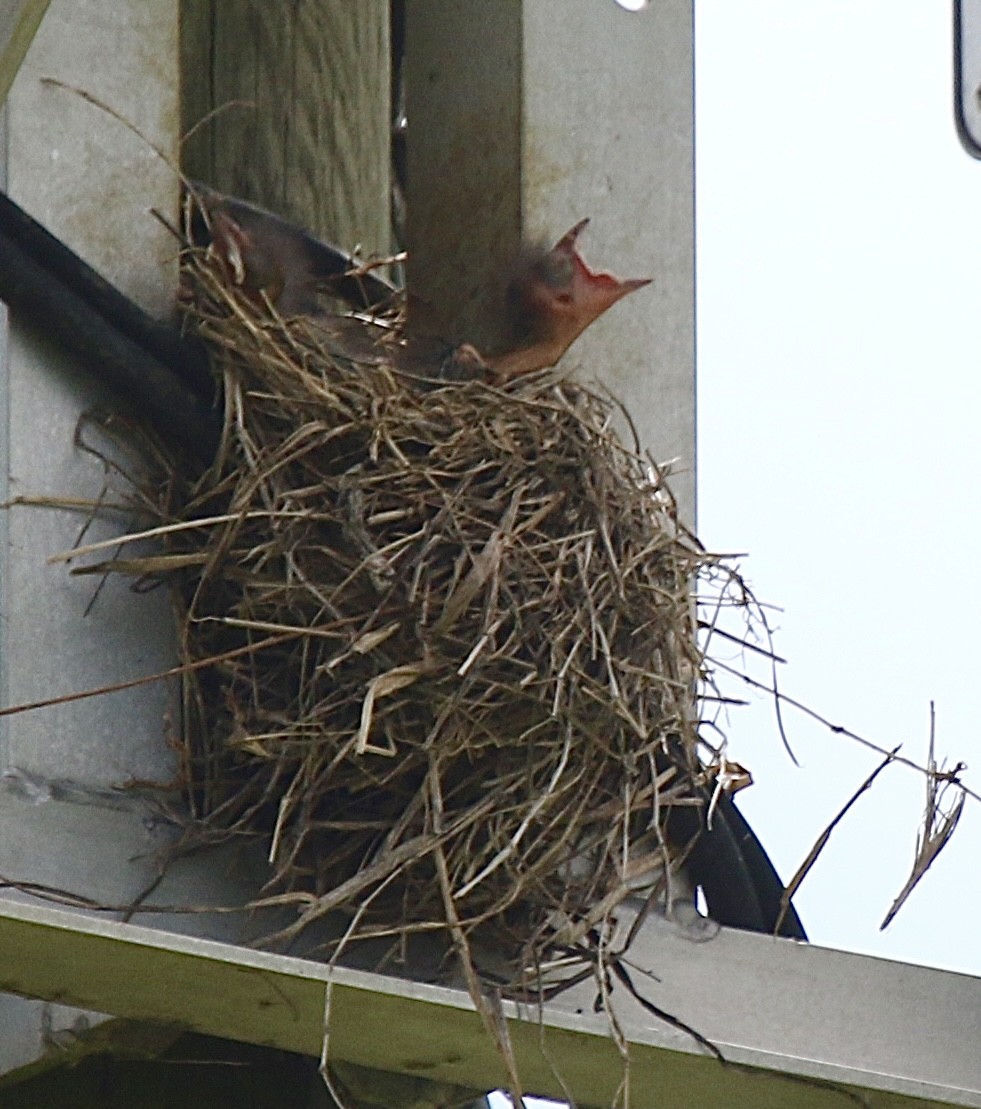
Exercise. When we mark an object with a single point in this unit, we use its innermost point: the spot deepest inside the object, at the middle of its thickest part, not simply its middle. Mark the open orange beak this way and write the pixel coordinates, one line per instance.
(564, 296)
(591, 292)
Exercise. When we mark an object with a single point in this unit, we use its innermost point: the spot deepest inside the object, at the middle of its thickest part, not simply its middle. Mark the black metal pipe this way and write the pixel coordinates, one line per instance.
(48, 305)
(184, 357)
(741, 885)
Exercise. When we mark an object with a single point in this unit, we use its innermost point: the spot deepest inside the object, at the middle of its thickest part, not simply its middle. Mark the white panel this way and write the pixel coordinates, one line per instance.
(91, 181)
(609, 133)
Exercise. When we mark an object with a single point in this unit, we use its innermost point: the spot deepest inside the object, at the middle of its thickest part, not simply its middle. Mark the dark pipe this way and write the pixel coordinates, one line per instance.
(187, 359)
(42, 301)
(741, 886)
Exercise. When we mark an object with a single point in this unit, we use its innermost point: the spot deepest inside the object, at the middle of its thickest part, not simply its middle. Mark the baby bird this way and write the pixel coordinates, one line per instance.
(266, 255)
(553, 297)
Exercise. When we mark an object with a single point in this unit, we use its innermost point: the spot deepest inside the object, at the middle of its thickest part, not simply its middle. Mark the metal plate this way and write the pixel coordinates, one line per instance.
(967, 74)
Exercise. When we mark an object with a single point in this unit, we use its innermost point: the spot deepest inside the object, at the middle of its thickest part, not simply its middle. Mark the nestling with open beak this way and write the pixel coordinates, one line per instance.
(553, 297)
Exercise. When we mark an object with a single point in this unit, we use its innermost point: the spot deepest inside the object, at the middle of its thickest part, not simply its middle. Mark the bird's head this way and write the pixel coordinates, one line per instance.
(553, 298)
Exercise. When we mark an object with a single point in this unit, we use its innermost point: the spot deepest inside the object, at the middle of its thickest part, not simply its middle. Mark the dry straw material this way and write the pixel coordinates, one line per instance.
(456, 639)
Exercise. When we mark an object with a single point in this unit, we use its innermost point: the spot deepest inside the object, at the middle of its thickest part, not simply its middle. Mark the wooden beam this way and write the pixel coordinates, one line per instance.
(303, 99)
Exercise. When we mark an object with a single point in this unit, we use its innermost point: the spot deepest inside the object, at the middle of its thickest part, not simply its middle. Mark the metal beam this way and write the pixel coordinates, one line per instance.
(19, 22)
(914, 1032)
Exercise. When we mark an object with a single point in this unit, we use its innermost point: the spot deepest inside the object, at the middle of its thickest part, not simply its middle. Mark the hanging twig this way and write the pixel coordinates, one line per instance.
(802, 871)
(939, 821)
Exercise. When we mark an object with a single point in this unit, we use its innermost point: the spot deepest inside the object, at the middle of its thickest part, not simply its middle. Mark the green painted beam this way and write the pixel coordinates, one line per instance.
(387, 1023)
(19, 21)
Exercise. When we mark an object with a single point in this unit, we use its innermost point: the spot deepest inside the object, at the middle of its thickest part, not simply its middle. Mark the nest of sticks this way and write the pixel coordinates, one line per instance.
(453, 641)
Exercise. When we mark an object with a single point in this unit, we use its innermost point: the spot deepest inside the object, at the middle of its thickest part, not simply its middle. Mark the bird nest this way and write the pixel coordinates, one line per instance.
(440, 641)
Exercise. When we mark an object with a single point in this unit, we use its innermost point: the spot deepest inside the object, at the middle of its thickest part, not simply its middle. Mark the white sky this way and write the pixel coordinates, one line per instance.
(839, 279)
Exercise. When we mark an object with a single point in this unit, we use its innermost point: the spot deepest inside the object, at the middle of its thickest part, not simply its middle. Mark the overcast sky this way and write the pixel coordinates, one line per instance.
(839, 283)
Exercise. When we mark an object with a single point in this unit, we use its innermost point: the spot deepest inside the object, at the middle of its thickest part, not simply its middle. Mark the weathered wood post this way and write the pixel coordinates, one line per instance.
(302, 99)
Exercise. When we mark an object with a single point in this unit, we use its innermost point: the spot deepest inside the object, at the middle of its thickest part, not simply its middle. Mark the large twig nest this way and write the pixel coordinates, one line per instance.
(457, 639)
